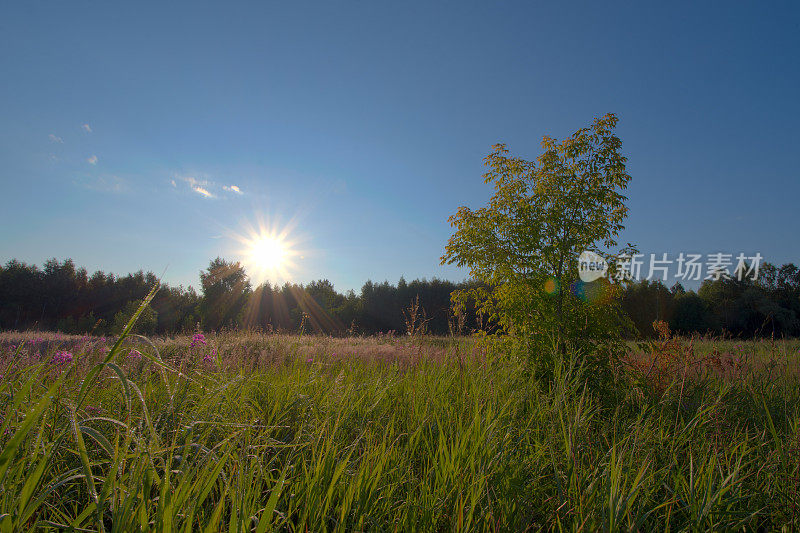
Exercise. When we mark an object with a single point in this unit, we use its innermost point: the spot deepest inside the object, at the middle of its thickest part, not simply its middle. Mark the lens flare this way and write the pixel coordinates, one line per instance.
(551, 286)
(594, 292)
(578, 289)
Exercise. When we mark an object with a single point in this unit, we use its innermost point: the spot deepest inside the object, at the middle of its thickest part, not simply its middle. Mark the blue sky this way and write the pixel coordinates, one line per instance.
(362, 125)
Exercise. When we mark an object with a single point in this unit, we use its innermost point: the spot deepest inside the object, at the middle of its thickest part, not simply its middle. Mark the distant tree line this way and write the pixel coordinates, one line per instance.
(229, 300)
(767, 306)
(61, 297)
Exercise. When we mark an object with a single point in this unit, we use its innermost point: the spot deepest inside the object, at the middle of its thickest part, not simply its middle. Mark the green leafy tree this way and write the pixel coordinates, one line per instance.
(324, 295)
(146, 324)
(647, 301)
(226, 290)
(523, 247)
(691, 315)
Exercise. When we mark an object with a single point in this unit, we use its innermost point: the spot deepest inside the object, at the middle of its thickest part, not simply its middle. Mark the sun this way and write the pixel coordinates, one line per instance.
(268, 253)
(268, 256)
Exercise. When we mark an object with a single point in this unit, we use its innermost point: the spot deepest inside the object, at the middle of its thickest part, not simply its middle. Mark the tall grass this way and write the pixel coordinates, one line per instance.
(383, 434)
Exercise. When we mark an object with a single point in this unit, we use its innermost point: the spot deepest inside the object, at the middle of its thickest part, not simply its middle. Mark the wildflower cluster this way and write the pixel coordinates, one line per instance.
(198, 340)
(62, 357)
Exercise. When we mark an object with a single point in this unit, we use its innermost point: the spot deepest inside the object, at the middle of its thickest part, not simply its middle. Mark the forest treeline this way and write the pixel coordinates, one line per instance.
(60, 296)
(767, 306)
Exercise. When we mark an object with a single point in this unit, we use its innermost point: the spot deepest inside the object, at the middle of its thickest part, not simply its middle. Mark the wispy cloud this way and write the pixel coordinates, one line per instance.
(92, 160)
(202, 191)
(205, 187)
(56, 139)
(198, 186)
(87, 128)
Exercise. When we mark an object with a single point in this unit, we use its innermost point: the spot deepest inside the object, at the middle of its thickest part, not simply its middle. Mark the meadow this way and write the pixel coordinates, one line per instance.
(243, 431)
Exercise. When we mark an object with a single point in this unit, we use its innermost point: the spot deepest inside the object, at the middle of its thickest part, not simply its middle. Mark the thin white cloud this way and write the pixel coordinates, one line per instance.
(202, 191)
(92, 160)
(232, 188)
(201, 187)
(87, 128)
(204, 187)
(56, 139)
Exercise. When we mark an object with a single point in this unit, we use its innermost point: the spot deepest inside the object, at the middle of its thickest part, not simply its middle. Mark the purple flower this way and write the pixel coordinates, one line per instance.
(62, 357)
(198, 339)
(310, 359)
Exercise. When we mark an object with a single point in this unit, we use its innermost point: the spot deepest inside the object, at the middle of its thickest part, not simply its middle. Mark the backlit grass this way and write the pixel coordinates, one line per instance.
(250, 432)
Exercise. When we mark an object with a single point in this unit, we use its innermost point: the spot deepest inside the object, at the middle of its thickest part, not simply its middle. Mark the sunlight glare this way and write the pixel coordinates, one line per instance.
(268, 253)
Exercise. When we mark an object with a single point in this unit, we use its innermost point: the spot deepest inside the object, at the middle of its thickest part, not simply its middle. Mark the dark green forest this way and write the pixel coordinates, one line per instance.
(60, 296)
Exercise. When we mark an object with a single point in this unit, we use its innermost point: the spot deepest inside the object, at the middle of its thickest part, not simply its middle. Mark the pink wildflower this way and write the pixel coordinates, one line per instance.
(62, 357)
(198, 339)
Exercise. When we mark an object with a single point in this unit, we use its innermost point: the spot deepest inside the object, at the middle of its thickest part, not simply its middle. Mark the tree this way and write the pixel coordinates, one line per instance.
(324, 295)
(226, 289)
(647, 301)
(691, 315)
(380, 308)
(145, 324)
(524, 245)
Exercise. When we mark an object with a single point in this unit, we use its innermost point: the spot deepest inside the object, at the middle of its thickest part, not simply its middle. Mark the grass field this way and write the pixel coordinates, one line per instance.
(249, 432)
